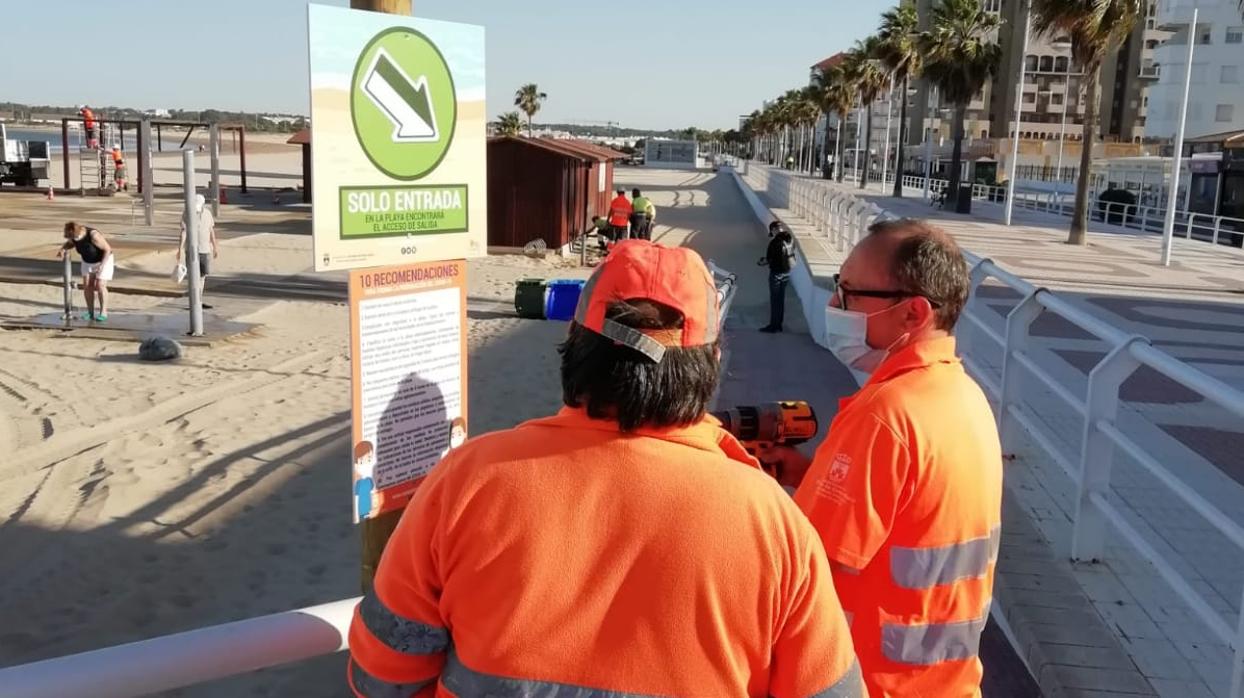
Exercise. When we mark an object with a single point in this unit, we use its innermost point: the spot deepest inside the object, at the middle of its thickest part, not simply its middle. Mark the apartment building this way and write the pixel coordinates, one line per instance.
(1216, 90)
(1052, 103)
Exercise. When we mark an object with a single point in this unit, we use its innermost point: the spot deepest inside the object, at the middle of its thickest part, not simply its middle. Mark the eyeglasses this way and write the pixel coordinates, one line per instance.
(842, 294)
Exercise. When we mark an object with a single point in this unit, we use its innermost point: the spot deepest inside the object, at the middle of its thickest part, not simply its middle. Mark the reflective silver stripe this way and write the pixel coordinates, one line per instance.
(398, 633)
(373, 687)
(464, 682)
(634, 339)
(921, 568)
(851, 685)
(932, 643)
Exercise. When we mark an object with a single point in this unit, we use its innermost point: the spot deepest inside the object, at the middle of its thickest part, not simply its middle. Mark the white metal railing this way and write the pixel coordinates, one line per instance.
(1141, 217)
(1101, 438)
(727, 285)
(184, 659)
(1097, 410)
(840, 214)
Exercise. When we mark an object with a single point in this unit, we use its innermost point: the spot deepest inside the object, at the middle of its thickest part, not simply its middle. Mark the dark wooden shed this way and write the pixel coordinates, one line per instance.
(543, 188)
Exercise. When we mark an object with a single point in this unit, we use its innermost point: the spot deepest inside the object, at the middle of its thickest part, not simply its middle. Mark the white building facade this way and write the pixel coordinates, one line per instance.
(1216, 95)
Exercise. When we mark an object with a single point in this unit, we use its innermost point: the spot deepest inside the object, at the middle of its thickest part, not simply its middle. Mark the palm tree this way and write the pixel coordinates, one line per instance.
(836, 95)
(898, 33)
(528, 99)
(869, 79)
(509, 124)
(782, 121)
(807, 111)
(961, 53)
(1096, 29)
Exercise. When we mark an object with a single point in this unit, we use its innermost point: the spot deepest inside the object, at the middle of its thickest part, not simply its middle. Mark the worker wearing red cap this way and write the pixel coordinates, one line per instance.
(627, 546)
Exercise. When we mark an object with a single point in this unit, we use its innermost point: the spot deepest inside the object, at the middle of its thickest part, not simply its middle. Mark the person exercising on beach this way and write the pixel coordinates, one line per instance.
(98, 266)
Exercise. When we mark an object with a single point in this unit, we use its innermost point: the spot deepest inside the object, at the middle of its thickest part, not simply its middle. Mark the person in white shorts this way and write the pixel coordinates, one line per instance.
(208, 249)
(98, 265)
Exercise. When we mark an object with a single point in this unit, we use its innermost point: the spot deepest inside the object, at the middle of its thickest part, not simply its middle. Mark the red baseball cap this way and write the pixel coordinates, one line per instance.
(641, 270)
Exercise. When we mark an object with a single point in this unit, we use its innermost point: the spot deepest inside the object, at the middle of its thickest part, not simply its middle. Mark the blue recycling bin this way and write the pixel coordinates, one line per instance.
(562, 298)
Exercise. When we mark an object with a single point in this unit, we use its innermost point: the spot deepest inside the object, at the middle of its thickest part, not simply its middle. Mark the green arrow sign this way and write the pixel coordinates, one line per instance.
(402, 100)
(403, 103)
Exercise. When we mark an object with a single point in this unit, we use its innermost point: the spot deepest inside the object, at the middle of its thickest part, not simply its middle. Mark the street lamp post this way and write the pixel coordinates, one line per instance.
(1019, 105)
(1168, 229)
(837, 150)
(1062, 45)
(928, 144)
(889, 112)
(1062, 134)
(859, 125)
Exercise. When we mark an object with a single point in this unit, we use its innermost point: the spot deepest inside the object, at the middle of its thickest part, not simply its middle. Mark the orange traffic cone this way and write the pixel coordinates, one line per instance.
(51, 193)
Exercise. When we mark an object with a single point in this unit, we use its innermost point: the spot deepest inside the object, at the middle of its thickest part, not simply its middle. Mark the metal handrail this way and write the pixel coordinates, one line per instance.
(1101, 438)
(188, 658)
(1142, 217)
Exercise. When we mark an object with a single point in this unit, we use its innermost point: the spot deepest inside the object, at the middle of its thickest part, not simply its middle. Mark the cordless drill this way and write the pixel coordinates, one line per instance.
(784, 423)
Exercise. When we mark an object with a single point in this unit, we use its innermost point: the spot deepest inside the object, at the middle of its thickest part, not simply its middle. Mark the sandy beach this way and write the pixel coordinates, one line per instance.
(148, 499)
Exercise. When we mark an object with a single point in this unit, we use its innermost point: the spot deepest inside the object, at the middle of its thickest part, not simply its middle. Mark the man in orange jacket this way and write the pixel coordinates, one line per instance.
(89, 128)
(619, 216)
(627, 546)
(906, 489)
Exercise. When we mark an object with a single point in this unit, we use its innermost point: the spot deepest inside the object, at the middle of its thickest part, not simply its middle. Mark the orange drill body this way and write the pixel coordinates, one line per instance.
(783, 423)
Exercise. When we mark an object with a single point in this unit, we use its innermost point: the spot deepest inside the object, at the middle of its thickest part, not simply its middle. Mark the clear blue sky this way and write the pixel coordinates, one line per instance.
(699, 62)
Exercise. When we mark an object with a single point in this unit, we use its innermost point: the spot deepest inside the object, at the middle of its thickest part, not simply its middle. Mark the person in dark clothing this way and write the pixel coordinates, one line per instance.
(98, 266)
(779, 257)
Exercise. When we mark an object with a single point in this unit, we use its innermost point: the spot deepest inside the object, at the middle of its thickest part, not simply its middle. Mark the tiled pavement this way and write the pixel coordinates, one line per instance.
(1193, 310)
(707, 213)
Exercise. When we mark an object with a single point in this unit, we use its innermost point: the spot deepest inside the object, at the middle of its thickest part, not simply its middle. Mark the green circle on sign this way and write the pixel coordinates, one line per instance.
(403, 103)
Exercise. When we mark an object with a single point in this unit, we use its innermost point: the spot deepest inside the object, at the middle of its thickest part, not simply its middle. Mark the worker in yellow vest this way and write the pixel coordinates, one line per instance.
(642, 212)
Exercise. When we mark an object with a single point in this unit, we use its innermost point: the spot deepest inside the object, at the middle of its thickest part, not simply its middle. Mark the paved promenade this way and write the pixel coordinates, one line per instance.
(706, 212)
(1113, 627)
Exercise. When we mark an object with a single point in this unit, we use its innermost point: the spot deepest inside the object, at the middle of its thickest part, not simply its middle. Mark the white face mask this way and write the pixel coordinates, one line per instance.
(846, 333)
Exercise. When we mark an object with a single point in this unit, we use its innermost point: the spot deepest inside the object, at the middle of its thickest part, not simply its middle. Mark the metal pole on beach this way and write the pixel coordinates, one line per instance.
(242, 155)
(146, 170)
(68, 287)
(214, 145)
(192, 244)
(1168, 227)
(377, 530)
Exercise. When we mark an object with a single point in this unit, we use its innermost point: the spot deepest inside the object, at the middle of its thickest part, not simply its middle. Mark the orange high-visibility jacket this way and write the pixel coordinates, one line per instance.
(564, 557)
(620, 211)
(88, 117)
(906, 492)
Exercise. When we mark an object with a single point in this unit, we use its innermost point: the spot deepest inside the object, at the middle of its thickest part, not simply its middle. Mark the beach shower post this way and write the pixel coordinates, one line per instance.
(192, 245)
